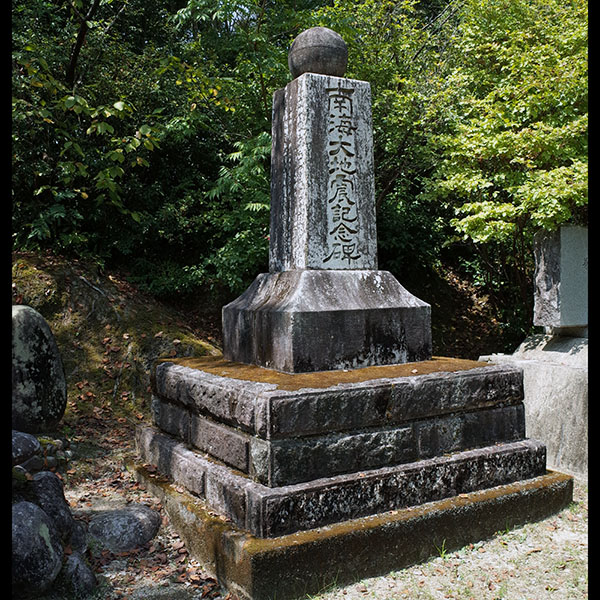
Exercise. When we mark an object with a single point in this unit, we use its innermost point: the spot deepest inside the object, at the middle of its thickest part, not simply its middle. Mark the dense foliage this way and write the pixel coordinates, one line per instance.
(141, 131)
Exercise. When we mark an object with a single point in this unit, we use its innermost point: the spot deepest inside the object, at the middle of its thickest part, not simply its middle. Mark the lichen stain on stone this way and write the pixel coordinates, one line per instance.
(217, 365)
(45, 535)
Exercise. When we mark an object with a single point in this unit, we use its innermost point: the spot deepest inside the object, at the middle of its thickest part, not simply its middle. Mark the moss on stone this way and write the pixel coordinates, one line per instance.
(108, 333)
(218, 365)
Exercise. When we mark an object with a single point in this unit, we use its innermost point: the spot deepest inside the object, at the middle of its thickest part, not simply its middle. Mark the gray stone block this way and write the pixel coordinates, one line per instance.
(316, 320)
(172, 418)
(224, 443)
(555, 379)
(297, 459)
(269, 512)
(271, 410)
(561, 278)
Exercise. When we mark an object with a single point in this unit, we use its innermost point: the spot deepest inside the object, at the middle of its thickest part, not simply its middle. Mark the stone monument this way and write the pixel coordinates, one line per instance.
(327, 444)
(555, 363)
(324, 305)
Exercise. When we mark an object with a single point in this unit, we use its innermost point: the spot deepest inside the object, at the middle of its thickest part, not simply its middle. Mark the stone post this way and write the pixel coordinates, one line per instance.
(561, 280)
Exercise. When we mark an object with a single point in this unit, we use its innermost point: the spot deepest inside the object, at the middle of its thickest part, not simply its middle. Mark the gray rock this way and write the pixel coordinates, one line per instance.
(77, 577)
(33, 464)
(78, 540)
(24, 447)
(124, 529)
(36, 550)
(318, 50)
(38, 379)
(46, 490)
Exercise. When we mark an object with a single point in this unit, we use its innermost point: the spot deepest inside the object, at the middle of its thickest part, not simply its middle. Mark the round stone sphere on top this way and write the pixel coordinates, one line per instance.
(318, 50)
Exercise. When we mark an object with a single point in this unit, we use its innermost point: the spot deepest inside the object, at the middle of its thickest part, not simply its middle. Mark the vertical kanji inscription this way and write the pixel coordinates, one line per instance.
(342, 211)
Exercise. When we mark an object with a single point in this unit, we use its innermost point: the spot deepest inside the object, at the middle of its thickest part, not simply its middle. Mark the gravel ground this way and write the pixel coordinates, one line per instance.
(538, 561)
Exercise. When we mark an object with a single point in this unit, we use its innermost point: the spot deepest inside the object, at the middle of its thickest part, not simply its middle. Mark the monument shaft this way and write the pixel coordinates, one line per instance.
(322, 184)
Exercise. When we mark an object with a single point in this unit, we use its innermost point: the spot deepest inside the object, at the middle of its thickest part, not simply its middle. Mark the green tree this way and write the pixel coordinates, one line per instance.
(515, 157)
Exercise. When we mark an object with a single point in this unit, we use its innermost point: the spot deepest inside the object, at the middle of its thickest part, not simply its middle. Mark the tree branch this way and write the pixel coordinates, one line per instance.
(83, 29)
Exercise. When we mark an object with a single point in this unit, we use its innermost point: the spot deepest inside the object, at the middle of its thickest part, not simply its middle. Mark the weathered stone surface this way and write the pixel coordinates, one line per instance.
(555, 379)
(39, 394)
(295, 459)
(79, 537)
(46, 490)
(271, 411)
(561, 278)
(227, 444)
(324, 305)
(36, 550)
(76, 577)
(124, 529)
(318, 50)
(315, 167)
(269, 512)
(172, 418)
(317, 320)
(24, 447)
(292, 566)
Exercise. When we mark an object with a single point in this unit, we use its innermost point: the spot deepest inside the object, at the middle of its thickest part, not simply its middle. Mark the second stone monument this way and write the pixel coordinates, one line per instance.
(324, 305)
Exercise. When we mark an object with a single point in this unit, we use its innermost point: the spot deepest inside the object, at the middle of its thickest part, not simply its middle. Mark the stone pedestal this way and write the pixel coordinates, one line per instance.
(555, 364)
(555, 382)
(305, 563)
(319, 320)
(281, 455)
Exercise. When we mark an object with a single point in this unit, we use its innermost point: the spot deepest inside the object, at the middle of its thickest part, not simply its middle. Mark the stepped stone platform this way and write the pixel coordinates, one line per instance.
(307, 562)
(277, 453)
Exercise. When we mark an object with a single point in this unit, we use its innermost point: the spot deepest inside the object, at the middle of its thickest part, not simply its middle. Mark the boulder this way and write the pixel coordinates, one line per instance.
(124, 529)
(76, 577)
(38, 380)
(46, 490)
(78, 540)
(37, 551)
(24, 447)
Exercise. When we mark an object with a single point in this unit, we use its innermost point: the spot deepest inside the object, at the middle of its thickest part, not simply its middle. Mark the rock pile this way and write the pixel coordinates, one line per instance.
(49, 544)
